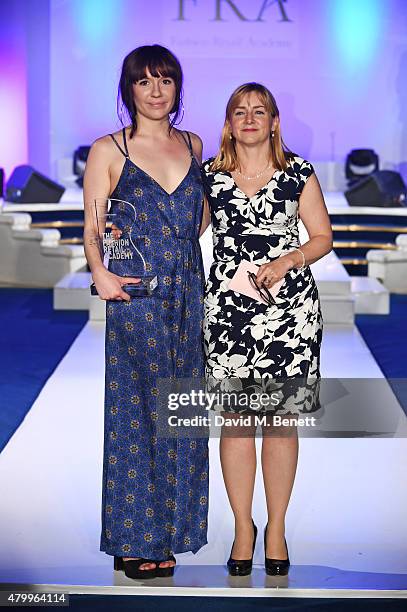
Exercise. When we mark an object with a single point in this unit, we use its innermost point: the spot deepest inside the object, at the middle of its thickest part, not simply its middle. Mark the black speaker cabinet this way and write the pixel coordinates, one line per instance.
(27, 186)
(382, 188)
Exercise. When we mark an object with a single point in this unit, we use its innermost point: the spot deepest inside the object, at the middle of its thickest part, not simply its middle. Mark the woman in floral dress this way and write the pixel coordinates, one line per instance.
(257, 191)
(155, 489)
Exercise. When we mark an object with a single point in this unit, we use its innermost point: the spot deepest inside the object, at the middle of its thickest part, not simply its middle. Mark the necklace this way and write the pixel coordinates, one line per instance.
(256, 176)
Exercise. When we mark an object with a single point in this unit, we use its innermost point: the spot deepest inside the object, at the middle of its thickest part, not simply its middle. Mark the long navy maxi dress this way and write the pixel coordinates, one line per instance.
(155, 489)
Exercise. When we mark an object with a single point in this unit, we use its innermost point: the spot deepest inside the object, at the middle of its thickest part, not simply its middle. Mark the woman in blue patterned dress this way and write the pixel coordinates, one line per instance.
(155, 489)
(257, 192)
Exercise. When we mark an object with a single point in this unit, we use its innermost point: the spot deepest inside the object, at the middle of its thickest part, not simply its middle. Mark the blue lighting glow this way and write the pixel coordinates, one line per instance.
(357, 27)
(97, 18)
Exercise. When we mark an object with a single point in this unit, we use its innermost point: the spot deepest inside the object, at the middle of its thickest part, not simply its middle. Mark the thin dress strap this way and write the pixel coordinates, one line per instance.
(188, 142)
(125, 143)
(126, 154)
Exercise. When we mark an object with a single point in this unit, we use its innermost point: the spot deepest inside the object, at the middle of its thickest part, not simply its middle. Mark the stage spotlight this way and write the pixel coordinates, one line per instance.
(79, 163)
(360, 163)
(27, 186)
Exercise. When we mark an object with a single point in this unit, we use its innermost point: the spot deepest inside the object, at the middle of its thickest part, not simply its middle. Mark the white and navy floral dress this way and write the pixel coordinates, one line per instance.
(245, 338)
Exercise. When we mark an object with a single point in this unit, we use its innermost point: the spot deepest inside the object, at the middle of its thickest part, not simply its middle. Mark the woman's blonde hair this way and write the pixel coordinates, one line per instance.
(226, 159)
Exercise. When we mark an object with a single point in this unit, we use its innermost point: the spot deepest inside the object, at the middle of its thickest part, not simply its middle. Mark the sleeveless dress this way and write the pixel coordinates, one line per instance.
(155, 489)
(245, 338)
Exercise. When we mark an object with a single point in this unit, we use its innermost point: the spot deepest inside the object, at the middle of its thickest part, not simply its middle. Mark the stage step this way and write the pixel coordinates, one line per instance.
(57, 224)
(353, 261)
(357, 227)
(73, 240)
(35, 257)
(72, 292)
(337, 309)
(362, 244)
(371, 297)
(331, 277)
(356, 230)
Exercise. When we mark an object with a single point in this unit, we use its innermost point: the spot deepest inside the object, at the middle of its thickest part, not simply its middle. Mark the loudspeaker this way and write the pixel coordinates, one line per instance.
(382, 188)
(27, 186)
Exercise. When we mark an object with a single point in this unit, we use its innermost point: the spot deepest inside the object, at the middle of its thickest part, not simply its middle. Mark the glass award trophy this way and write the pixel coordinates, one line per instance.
(115, 232)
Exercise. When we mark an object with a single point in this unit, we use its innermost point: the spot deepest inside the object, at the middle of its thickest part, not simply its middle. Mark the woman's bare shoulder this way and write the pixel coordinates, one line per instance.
(108, 140)
(105, 147)
(102, 144)
(196, 141)
(197, 145)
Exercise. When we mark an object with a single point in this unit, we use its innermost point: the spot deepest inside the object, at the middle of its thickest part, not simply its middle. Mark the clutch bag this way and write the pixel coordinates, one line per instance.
(241, 282)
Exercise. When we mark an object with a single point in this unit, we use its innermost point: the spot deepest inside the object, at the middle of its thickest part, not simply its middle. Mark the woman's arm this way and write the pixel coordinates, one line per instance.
(96, 185)
(206, 217)
(197, 146)
(314, 215)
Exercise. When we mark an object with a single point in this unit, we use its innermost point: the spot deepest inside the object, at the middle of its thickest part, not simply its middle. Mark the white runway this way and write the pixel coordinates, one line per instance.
(346, 527)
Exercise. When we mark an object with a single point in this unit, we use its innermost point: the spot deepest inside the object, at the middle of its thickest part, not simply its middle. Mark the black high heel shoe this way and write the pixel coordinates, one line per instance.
(242, 567)
(275, 567)
(132, 569)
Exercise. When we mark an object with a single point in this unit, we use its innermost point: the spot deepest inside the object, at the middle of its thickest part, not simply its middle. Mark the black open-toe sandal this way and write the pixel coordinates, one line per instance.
(165, 572)
(132, 568)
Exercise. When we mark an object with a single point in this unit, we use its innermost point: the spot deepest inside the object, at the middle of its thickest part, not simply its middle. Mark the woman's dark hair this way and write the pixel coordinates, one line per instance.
(159, 61)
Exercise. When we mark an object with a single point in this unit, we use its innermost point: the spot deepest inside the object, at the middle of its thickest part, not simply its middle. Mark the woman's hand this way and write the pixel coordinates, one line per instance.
(274, 271)
(109, 285)
(116, 232)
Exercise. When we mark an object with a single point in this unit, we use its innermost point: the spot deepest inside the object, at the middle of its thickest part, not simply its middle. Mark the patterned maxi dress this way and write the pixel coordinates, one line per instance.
(245, 338)
(155, 489)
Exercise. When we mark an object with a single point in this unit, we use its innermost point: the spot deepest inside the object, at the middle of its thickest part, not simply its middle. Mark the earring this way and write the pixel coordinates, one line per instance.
(272, 134)
(230, 136)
